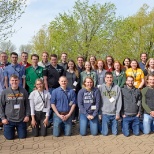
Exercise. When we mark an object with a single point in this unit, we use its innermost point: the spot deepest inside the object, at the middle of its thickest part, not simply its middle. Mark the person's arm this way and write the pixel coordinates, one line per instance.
(24, 82)
(144, 104)
(46, 83)
(142, 80)
(141, 84)
(2, 108)
(48, 104)
(119, 103)
(23, 77)
(81, 103)
(27, 107)
(139, 103)
(123, 80)
(6, 81)
(97, 99)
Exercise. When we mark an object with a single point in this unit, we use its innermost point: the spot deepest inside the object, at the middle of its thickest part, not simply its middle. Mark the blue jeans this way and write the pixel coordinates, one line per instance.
(9, 130)
(84, 125)
(58, 124)
(51, 111)
(148, 124)
(131, 122)
(109, 120)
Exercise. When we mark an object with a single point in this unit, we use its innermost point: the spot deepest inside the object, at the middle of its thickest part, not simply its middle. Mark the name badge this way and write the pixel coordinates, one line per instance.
(17, 106)
(75, 83)
(93, 107)
(111, 99)
(135, 83)
(98, 86)
(23, 76)
(70, 104)
(45, 109)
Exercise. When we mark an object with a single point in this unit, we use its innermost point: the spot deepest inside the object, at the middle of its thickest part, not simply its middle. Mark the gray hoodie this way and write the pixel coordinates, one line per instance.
(111, 107)
(8, 102)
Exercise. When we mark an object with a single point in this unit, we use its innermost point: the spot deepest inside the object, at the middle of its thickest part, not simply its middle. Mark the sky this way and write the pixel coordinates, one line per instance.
(41, 12)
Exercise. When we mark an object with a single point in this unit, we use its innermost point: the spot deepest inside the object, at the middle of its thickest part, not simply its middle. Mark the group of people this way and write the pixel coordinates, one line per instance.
(96, 92)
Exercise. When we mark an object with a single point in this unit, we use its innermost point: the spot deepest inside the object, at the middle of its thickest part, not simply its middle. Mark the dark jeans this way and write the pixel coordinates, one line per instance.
(131, 122)
(39, 118)
(9, 130)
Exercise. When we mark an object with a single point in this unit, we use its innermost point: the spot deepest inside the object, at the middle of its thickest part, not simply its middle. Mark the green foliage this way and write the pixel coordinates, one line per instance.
(10, 12)
(95, 30)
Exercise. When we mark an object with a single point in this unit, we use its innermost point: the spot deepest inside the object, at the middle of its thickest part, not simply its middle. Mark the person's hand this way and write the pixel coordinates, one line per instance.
(26, 119)
(138, 115)
(66, 116)
(100, 117)
(117, 117)
(124, 116)
(152, 113)
(5, 121)
(62, 117)
(89, 117)
(33, 123)
(45, 122)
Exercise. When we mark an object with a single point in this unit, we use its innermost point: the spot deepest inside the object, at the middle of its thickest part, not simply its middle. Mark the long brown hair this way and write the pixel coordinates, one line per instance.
(74, 68)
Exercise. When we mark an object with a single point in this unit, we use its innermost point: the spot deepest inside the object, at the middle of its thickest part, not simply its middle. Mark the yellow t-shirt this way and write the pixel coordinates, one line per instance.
(137, 74)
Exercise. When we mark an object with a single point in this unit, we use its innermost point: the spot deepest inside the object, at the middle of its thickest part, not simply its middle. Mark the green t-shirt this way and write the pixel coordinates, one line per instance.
(31, 75)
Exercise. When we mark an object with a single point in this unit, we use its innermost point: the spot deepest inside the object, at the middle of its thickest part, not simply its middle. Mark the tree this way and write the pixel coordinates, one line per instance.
(10, 12)
(26, 48)
(7, 47)
(94, 30)
(81, 32)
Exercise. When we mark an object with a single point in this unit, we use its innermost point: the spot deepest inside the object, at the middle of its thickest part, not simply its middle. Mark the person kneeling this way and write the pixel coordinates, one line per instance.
(14, 109)
(63, 103)
(40, 107)
(88, 102)
(131, 107)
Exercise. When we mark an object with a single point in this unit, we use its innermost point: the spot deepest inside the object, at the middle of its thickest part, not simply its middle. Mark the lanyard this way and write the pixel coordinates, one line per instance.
(108, 91)
(65, 94)
(16, 96)
(43, 98)
(134, 74)
(16, 70)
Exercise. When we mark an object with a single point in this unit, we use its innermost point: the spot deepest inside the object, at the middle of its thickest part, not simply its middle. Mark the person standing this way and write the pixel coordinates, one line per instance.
(14, 109)
(40, 107)
(52, 73)
(109, 63)
(111, 105)
(89, 103)
(88, 72)
(148, 105)
(44, 62)
(137, 73)
(131, 107)
(80, 64)
(33, 72)
(64, 61)
(24, 60)
(63, 103)
(119, 76)
(14, 68)
(144, 58)
(100, 72)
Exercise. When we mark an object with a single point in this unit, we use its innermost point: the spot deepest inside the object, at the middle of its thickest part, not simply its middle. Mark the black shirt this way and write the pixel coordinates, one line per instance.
(53, 75)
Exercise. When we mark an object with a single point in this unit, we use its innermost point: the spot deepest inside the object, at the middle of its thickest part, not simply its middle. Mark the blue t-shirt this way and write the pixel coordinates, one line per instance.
(63, 100)
(15, 69)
